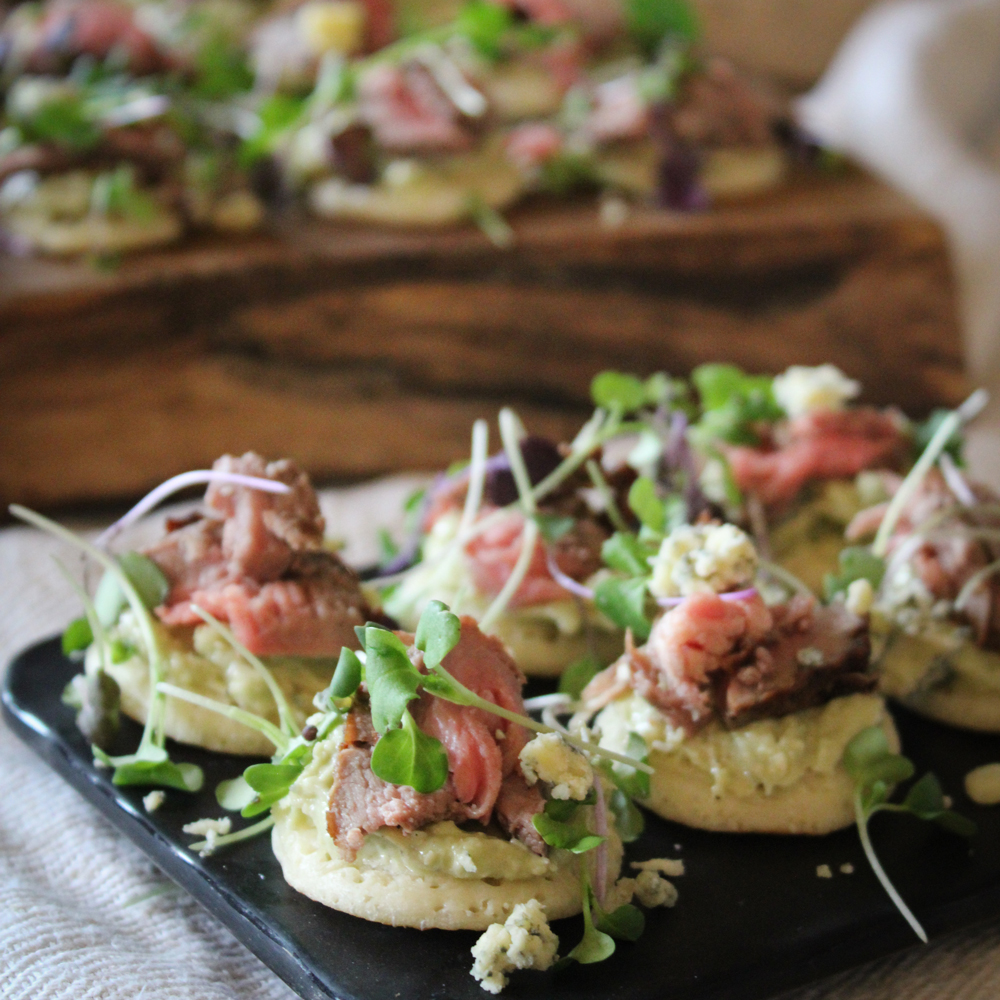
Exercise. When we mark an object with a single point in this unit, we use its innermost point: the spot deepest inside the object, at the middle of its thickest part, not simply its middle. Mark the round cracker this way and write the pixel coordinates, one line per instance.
(191, 724)
(816, 804)
(959, 705)
(423, 901)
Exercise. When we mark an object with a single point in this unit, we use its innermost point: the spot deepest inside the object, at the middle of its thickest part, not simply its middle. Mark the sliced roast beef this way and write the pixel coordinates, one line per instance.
(738, 661)
(800, 668)
(485, 778)
(517, 805)
(260, 566)
(361, 802)
(820, 446)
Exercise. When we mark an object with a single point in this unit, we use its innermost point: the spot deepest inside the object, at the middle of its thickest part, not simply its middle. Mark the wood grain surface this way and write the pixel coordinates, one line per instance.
(365, 351)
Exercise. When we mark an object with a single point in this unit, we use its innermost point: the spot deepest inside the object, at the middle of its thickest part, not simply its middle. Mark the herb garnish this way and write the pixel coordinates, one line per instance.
(150, 764)
(876, 771)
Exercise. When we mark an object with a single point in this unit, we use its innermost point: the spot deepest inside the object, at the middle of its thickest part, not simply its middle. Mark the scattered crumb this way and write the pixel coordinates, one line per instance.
(500, 735)
(947, 800)
(614, 212)
(847, 868)
(203, 827)
(651, 890)
(211, 830)
(982, 785)
(153, 800)
(823, 871)
(677, 847)
(664, 866)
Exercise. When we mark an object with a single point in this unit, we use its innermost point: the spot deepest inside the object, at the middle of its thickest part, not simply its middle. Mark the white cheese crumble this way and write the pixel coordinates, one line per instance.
(211, 830)
(823, 871)
(153, 800)
(524, 941)
(802, 390)
(653, 890)
(847, 868)
(860, 596)
(332, 25)
(663, 866)
(703, 558)
(548, 757)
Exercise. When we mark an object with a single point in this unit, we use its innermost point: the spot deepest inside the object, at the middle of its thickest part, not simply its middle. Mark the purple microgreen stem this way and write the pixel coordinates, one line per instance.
(197, 477)
(565, 581)
(957, 482)
(601, 853)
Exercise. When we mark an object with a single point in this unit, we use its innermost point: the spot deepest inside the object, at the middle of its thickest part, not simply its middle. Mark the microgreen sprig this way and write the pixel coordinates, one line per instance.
(135, 581)
(876, 771)
(598, 942)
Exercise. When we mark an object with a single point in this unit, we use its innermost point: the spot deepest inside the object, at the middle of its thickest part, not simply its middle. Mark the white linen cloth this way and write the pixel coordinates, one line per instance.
(84, 915)
(914, 95)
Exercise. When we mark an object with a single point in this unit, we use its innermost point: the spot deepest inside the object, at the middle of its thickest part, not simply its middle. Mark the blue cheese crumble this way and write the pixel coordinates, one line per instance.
(802, 390)
(548, 757)
(703, 558)
(524, 941)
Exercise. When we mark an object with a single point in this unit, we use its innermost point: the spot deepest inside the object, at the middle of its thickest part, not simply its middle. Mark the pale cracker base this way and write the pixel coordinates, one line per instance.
(817, 804)
(424, 902)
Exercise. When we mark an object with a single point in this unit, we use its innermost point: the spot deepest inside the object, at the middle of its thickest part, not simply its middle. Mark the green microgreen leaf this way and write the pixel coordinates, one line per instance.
(624, 602)
(270, 783)
(388, 549)
(552, 527)
(568, 837)
(63, 120)
(561, 826)
(857, 562)
(646, 505)
(595, 945)
(235, 794)
(733, 402)
(347, 676)
(632, 782)
(629, 821)
(624, 924)
(121, 651)
(578, 675)
(924, 432)
(393, 681)
(277, 114)
(167, 774)
(624, 552)
(650, 21)
(408, 756)
(145, 576)
(876, 770)
(77, 636)
(617, 390)
(485, 25)
(438, 632)
(221, 69)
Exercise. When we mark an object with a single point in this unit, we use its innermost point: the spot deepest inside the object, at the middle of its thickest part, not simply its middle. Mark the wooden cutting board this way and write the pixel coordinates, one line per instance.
(364, 351)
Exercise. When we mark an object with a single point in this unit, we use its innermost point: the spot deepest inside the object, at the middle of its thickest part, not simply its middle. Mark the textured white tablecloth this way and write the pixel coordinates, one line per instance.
(84, 915)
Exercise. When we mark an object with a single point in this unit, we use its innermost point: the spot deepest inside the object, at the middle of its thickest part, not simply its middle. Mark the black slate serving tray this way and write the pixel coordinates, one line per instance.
(753, 917)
